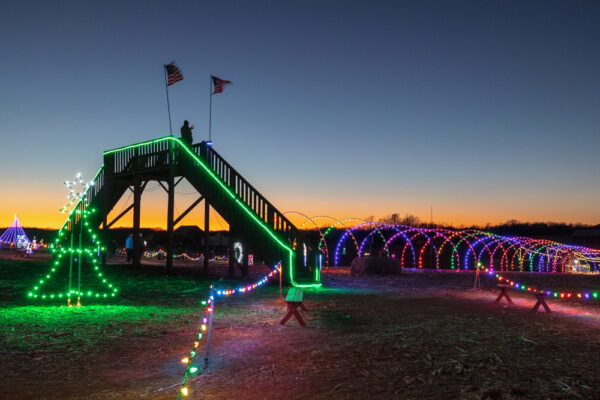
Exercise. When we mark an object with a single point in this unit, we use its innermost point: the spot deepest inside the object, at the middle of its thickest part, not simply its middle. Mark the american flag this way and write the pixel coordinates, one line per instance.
(173, 74)
(219, 84)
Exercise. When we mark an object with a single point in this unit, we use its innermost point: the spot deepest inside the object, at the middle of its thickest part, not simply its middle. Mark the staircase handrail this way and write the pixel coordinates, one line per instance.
(230, 176)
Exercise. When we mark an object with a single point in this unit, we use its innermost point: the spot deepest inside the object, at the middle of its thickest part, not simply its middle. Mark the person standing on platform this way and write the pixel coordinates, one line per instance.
(129, 247)
(186, 133)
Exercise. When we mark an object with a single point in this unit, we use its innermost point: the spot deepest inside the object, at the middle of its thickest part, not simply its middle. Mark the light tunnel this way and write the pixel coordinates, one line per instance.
(339, 241)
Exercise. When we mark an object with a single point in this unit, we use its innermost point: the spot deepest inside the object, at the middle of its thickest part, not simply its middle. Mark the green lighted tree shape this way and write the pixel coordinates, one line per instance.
(78, 250)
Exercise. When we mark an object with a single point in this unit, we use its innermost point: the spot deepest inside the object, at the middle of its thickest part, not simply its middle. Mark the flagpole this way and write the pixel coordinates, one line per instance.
(168, 104)
(210, 109)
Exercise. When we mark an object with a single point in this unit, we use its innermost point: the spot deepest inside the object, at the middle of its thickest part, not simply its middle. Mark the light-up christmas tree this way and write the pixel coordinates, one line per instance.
(75, 270)
(14, 235)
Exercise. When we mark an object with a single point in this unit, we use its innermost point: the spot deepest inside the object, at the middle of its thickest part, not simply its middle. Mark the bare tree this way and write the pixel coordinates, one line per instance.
(410, 220)
(392, 219)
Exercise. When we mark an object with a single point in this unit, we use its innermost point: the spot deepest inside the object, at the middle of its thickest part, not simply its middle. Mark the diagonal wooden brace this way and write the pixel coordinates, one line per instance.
(540, 302)
(292, 307)
(503, 293)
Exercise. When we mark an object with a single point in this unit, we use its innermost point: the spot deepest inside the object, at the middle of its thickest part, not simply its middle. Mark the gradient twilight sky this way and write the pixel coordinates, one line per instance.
(485, 110)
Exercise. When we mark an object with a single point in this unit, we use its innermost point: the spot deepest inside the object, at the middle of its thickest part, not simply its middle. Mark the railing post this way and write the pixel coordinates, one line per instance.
(137, 200)
(269, 216)
(109, 165)
(170, 211)
(206, 235)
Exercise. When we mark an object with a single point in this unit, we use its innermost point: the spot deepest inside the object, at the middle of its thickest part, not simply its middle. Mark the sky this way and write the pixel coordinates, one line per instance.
(481, 111)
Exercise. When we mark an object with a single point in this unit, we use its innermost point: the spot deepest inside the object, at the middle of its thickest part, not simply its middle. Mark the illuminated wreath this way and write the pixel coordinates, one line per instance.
(238, 252)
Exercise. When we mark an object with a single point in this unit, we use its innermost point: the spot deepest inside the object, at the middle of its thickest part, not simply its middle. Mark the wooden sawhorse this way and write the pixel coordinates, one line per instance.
(540, 302)
(503, 293)
(540, 296)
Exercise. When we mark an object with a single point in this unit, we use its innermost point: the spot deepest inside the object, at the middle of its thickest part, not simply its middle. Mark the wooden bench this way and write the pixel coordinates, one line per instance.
(294, 300)
(540, 296)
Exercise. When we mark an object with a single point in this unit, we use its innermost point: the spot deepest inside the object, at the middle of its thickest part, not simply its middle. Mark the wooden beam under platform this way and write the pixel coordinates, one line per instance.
(186, 212)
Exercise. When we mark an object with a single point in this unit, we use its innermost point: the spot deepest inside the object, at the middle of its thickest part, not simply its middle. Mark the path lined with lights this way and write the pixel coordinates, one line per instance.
(584, 295)
(207, 314)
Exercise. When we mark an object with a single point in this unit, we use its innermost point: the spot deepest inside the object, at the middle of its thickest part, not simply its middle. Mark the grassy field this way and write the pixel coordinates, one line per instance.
(421, 335)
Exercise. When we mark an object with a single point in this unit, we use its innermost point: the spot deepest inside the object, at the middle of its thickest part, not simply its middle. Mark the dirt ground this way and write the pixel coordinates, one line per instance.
(421, 335)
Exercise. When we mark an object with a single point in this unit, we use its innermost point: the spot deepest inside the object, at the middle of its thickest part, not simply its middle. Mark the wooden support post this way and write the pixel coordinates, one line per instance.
(232, 261)
(280, 281)
(245, 264)
(170, 207)
(206, 235)
(477, 284)
(137, 200)
(170, 214)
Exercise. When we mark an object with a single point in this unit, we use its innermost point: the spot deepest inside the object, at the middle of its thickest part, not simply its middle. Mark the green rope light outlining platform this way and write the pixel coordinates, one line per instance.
(233, 197)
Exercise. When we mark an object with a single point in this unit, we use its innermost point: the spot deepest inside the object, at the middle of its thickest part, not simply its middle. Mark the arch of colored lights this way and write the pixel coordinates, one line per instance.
(342, 224)
(454, 249)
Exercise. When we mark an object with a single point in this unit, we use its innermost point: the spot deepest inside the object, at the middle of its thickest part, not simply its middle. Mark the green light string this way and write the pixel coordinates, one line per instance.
(191, 368)
(90, 252)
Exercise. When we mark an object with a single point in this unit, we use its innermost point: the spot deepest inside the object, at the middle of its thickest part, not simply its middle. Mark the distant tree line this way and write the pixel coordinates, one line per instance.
(395, 219)
(533, 229)
(509, 228)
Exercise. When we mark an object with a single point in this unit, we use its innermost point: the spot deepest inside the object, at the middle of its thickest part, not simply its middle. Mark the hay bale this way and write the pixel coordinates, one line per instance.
(375, 265)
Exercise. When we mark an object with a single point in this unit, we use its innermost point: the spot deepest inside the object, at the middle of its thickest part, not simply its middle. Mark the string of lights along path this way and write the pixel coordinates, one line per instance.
(193, 368)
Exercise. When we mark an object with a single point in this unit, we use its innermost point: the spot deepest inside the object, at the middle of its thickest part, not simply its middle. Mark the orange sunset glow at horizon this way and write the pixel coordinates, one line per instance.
(35, 214)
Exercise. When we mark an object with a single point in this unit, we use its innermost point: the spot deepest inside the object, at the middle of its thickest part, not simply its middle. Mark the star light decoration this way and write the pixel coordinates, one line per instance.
(74, 195)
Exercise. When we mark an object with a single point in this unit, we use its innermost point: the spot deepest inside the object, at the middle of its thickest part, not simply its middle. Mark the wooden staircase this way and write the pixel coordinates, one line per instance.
(262, 227)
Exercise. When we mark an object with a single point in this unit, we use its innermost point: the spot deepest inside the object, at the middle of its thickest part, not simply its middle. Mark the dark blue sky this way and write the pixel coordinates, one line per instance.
(484, 110)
